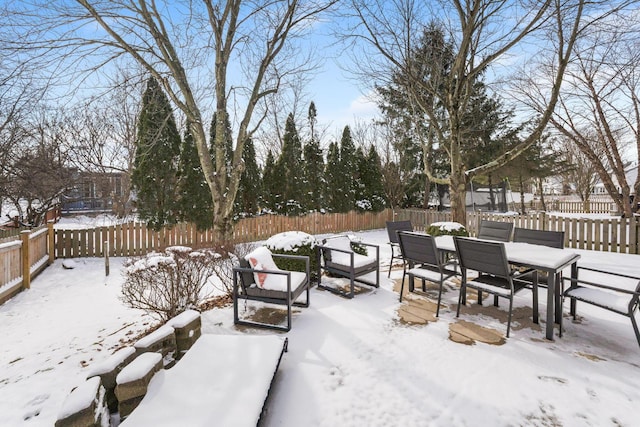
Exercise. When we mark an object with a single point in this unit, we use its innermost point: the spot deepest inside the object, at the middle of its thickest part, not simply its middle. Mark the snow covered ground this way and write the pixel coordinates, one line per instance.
(350, 362)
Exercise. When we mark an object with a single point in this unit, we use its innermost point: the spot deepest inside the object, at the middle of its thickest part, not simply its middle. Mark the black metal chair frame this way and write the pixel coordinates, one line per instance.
(323, 254)
(495, 276)
(574, 292)
(495, 230)
(243, 290)
(424, 261)
(393, 228)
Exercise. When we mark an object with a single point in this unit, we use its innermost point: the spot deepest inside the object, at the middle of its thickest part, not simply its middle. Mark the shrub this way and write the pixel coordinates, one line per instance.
(447, 229)
(294, 243)
(166, 284)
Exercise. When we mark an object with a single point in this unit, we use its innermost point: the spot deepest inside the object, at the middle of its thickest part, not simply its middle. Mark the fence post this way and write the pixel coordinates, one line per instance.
(26, 262)
(51, 243)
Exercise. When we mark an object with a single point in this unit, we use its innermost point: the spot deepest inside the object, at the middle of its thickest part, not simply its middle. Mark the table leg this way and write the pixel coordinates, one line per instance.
(551, 299)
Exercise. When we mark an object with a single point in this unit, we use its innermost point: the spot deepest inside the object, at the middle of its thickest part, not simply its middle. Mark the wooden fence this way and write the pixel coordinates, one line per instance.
(613, 234)
(573, 206)
(134, 239)
(23, 259)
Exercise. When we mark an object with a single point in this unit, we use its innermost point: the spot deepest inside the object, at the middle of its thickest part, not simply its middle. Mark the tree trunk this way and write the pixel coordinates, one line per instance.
(427, 193)
(542, 202)
(458, 195)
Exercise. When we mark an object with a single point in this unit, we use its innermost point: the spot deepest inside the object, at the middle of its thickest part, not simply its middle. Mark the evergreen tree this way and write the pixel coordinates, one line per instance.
(370, 186)
(289, 170)
(271, 193)
(313, 168)
(250, 189)
(333, 176)
(154, 176)
(195, 204)
(347, 171)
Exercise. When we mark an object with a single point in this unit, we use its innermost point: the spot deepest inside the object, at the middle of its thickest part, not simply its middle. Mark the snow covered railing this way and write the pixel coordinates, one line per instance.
(606, 291)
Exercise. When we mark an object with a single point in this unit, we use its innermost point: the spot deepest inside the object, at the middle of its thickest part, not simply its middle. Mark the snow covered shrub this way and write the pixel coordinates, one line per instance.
(294, 243)
(447, 229)
(168, 283)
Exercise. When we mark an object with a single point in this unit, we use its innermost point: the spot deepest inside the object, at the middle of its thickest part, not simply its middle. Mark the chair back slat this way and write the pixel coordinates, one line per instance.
(553, 239)
(482, 256)
(418, 248)
(393, 227)
(495, 230)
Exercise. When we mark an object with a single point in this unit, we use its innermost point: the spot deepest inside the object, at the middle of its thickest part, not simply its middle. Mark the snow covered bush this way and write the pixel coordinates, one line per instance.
(166, 284)
(447, 229)
(294, 243)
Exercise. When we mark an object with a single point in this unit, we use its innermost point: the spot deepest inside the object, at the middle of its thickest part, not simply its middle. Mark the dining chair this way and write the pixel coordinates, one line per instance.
(422, 260)
(393, 227)
(495, 230)
(489, 260)
(553, 239)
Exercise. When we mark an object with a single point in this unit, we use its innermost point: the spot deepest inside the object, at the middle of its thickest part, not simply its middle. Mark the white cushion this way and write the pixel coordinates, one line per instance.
(261, 259)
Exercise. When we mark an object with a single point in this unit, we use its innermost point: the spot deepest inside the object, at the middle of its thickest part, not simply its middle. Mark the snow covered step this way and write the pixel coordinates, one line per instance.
(187, 329)
(108, 370)
(133, 381)
(84, 406)
(161, 341)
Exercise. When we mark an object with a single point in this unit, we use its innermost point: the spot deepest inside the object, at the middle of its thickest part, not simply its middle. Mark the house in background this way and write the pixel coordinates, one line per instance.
(96, 192)
(631, 173)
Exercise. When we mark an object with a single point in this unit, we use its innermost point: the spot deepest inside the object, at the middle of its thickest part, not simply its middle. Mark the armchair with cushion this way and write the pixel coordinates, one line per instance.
(337, 257)
(257, 278)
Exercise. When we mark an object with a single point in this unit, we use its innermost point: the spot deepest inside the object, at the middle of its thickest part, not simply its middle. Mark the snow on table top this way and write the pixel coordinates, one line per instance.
(525, 253)
(222, 380)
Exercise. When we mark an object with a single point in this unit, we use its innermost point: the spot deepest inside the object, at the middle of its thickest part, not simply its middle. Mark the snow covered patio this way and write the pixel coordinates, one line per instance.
(369, 361)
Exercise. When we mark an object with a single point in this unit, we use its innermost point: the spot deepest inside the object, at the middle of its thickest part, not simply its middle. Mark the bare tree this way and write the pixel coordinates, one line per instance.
(581, 174)
(599, 108)
(484, 35)
(231, 54)
(36, 173)
(102, 135)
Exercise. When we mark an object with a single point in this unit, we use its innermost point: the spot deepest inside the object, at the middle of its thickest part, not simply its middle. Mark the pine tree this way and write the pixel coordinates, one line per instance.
(333, 176)
(250, 188)
(195, 204)
(289, 170)
(347, 171)
(270, 191)
(154, 176)
(313, 168)
(370, 186)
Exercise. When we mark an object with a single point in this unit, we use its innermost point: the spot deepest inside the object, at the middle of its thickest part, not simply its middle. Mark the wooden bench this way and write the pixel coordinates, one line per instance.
(610, 296)
(222, 380)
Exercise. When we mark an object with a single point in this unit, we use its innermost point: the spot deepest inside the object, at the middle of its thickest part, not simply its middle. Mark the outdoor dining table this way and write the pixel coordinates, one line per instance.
(543, 258)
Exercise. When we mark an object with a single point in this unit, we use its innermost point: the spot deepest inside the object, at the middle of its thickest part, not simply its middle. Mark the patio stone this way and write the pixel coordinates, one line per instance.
(467, 333)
